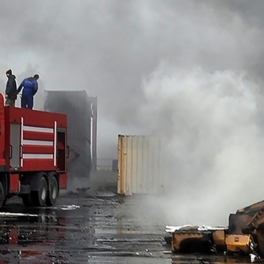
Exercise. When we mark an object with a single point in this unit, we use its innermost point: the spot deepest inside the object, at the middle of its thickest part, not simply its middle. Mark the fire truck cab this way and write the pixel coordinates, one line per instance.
(33, 155)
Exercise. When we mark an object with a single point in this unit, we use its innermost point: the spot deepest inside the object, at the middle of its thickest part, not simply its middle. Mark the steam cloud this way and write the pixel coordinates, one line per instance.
(214, 141)
(210, 110)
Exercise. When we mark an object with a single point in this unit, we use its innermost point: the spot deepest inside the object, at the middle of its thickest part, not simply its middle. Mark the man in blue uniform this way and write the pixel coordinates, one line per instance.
(11, 89)
(30, 88)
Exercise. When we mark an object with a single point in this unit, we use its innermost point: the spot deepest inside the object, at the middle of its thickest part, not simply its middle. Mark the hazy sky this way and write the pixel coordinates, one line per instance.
(149, 63)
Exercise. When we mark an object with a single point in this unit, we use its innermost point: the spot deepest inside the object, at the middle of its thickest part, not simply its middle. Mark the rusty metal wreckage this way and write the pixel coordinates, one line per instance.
(243, 236)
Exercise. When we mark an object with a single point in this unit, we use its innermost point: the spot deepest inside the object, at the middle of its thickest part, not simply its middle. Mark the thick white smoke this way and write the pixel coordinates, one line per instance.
(214, 142)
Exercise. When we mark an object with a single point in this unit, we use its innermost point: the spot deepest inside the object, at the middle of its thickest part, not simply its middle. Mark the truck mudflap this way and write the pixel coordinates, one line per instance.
(24, 189)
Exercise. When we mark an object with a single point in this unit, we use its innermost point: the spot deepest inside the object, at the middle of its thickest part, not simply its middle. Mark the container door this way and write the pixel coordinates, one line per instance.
(14, 146)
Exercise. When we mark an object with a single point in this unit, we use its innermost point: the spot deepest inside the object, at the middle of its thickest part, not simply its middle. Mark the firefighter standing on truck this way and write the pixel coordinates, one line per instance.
(11, 89)
(30, 89)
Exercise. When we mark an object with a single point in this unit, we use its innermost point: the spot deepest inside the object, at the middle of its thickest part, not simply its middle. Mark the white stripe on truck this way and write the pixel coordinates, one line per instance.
(55, 143)
(38, 129)
(37, 156)
(21, 149)
(37, 142)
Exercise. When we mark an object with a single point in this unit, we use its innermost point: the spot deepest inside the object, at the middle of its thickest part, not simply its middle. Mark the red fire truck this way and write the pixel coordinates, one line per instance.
(33, 155)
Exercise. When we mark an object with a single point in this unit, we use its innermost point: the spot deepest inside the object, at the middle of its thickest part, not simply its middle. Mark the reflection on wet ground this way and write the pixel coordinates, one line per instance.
(95, 229)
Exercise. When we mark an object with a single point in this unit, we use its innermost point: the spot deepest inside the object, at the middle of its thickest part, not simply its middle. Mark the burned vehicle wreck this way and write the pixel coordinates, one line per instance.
(244, 235)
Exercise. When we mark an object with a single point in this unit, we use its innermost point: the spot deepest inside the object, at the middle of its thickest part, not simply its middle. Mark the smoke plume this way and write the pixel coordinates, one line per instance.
(214, 141)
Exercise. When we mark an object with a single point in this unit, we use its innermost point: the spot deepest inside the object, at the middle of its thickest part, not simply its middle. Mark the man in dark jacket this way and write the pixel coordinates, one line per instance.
(11, 89)
(30, 88)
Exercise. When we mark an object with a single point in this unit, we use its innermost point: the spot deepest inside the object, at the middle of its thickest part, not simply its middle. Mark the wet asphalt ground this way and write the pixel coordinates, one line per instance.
(88, 227)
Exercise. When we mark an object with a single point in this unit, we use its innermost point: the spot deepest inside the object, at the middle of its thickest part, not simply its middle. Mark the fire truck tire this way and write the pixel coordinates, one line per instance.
(39, 197)
(2, 195)
(53, 192)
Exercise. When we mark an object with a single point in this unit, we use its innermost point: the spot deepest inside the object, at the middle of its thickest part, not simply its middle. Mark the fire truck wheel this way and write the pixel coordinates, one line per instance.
(53, 192)
(39, 197)
(2, 195)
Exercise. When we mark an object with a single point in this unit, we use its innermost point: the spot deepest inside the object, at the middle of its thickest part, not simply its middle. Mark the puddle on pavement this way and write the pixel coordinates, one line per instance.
(29, 235)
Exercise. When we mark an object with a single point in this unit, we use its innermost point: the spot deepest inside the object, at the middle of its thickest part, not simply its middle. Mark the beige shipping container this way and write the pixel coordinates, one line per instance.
(140, 165)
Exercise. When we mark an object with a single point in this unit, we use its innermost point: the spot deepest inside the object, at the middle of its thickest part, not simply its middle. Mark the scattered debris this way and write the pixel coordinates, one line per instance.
(243, 236)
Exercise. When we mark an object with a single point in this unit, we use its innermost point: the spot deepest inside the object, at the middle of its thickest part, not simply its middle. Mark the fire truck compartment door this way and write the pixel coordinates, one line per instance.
(14, 146)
